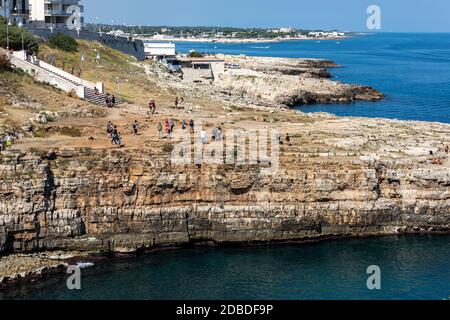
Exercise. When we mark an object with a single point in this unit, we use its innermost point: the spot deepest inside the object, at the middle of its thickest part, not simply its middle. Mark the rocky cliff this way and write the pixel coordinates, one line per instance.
(123, 201)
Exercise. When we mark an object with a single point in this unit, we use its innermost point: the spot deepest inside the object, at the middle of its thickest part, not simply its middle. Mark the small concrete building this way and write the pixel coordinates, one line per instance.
(159, 51)
(199, 69)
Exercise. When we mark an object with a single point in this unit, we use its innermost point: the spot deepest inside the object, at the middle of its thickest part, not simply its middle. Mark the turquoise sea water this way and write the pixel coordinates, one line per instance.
(413, 70)
(412, 267)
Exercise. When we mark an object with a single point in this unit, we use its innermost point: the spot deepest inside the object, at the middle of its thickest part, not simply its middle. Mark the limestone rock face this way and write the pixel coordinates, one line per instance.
(126, 201)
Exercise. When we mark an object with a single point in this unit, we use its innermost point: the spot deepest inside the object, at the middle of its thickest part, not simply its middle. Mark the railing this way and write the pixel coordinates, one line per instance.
(46, 72)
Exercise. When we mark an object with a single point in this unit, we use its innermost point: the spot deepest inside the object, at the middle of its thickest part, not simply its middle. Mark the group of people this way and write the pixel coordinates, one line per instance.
(6, 141)
(216, 135)
(110, 100)
(113, 134)
(440, 160)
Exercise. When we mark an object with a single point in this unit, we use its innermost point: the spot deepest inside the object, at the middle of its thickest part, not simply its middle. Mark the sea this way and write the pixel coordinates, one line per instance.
(413, 71)
(410, 267)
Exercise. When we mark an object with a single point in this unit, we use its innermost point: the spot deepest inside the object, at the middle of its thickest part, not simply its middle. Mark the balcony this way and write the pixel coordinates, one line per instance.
(56, 12)
(61, 11)
(68, 2)
(20, 12)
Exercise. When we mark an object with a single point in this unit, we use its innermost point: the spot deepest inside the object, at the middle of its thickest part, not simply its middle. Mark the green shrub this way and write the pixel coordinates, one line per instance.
(5, 65)
(30, 42)
(63, 42)
(195, 54)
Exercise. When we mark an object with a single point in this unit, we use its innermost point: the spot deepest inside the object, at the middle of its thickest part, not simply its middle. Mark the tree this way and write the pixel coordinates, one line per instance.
(30, 42)
(63, 42)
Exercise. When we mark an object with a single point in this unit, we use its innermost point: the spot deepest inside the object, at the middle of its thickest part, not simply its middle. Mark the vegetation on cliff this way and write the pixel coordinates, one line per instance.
(16, 35)
(63, 42)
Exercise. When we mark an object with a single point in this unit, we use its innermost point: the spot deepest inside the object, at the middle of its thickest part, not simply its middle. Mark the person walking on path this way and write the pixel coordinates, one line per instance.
(203, 136)
(116, 137)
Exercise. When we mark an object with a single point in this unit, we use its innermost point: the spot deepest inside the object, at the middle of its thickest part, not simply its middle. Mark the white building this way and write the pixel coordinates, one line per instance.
(155, 50)
(53, 13)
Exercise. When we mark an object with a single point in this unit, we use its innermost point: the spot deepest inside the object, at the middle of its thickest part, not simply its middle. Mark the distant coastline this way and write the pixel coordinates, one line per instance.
(242, 40)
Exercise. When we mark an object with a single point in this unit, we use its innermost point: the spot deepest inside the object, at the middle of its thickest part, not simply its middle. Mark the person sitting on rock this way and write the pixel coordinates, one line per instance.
(8, 140)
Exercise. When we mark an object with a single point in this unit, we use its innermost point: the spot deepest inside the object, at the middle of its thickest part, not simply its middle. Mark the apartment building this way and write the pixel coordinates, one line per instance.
(41, 13)
(17, 10)
(53, 13)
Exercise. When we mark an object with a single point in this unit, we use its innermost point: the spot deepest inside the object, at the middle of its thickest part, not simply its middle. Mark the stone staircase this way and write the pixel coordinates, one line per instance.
(61, 79)
(97, 99)
(59, 75)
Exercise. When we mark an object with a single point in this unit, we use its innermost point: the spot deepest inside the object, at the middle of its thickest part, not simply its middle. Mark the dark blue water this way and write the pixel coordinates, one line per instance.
(412, 267)
(413, 70)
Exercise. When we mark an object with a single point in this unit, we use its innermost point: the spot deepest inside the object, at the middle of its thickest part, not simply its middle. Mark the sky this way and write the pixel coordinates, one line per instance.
(345, 15)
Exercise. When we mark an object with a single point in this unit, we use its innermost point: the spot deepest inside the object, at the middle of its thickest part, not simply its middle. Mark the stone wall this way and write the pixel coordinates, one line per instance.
(126, 45)
(126, 201)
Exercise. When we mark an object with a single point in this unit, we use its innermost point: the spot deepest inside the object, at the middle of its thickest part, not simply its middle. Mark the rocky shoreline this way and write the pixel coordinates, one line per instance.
(344, 178)
(272, 83)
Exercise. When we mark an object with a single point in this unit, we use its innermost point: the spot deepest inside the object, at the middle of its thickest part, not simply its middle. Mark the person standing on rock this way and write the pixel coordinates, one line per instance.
(135, 127)
(168, 132)
(160, 129)
(191, 126)
(109, 129)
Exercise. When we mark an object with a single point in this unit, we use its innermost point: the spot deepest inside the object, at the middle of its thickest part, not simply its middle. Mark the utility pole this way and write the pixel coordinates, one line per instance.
(7, 25)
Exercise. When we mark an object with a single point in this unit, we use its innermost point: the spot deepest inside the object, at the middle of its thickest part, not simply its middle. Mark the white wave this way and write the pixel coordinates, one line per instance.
(82, 265)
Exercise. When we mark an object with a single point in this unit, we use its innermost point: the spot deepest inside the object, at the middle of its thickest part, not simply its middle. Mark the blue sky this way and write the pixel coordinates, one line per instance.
(348, 15)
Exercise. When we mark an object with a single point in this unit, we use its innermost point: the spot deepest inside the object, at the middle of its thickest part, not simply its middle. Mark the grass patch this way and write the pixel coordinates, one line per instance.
(70, 132)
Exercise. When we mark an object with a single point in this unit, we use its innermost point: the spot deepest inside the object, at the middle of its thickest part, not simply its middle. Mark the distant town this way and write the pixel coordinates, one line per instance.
(215, 34)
